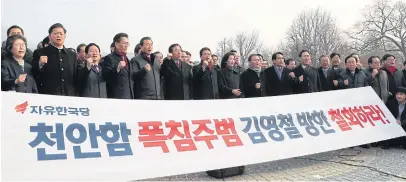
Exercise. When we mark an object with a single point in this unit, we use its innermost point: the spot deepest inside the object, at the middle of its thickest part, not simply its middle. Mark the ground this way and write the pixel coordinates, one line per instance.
(316, 168)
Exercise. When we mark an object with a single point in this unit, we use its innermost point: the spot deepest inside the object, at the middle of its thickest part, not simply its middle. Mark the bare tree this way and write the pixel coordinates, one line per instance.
(246, 44)
(316, 31)
(383, 28)
(243, 42)
(224, 46)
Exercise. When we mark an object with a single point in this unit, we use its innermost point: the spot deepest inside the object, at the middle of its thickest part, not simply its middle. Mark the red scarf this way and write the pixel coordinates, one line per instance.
(123, 56)
(391, 69)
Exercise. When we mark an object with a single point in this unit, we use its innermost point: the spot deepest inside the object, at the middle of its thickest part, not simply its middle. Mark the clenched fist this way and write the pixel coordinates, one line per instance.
(374, 72)
(258, 85)
(147, 67)
(122, 64)
(21, 78)
(43, 59)
(335, 82)
(301, 78)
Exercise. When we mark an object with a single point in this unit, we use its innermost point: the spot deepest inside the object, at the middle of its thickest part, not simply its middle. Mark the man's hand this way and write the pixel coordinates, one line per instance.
(147, 67)
(21, 78)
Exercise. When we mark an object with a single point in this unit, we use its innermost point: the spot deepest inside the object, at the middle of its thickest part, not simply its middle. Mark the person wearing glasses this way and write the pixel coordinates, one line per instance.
(118, 70)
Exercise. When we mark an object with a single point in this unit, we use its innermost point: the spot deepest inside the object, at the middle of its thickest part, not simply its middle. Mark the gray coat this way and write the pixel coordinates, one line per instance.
(395, 80)
(380, 83)
(147, 83)
(359, 80)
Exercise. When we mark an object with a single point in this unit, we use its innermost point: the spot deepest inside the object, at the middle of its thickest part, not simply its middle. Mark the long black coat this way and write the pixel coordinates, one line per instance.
(119, 84)
(10, 71)
(311, 80)
(59, 75)
(205, 84)
(92, 83)
(229, 80)
(327, 82)
(275, 86)
(248, 80)
(177, 82)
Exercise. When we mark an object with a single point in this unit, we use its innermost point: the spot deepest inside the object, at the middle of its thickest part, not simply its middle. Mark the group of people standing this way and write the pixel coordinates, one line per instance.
(57, 70)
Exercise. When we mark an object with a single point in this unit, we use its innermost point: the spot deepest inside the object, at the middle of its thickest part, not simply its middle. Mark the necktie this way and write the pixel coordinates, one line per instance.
(178, 64)
(279, 72)
(325, 72)
(149, 58)
(95, 68)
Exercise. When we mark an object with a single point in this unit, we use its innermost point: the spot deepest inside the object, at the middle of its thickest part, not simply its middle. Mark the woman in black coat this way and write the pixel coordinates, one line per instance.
(228, 78)
(16, 73)
(91, 80)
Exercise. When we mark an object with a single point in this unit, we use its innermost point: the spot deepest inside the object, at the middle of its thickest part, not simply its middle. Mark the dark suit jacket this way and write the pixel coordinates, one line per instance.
(92, 83)
(311, 80)
(205, 84)
(119, 84)
(393, 107)
(10, 71)
(327, 83)
(177, 81)
(59, 75)
(249, 79)
(360, 79)
(275, 86)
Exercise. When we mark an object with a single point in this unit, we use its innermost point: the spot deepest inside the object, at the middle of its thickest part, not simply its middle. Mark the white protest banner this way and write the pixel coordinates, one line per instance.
(72, 138)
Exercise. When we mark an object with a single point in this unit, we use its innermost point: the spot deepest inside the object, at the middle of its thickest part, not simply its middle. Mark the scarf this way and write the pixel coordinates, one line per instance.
(123, 55)
(391, 69)
(257, 70)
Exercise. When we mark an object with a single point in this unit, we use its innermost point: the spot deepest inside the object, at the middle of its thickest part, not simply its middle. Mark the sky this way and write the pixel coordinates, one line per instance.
(192, 24)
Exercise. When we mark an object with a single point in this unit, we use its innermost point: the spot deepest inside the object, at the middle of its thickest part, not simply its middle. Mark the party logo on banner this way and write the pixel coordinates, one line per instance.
(52, 110)
(21, 107)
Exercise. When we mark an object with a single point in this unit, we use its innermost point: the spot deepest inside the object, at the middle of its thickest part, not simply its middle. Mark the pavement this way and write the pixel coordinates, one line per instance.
(328, 166)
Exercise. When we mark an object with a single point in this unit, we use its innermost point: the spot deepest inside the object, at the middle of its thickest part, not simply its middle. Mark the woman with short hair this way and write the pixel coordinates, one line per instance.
(16, 73)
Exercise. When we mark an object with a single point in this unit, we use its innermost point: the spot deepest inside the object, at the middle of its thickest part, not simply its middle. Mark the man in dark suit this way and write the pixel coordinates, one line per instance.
(278, 79)
(55, 66)
(118, 70)
(328, 77)
(205, 81)
(177, 75)
(308, 79)
(147, 72)
(397, 108)
(251, 81)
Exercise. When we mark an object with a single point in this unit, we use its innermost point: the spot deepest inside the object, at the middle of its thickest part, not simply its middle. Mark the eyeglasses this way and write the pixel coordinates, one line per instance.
(19, 45)
(125, 43)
